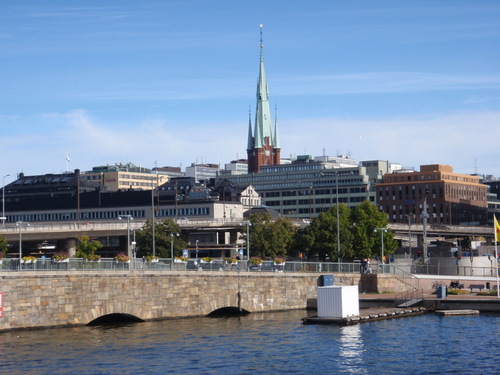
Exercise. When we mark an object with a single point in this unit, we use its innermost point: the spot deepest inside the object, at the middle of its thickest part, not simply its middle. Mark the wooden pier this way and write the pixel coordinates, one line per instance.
(367, 315)
(457, 312)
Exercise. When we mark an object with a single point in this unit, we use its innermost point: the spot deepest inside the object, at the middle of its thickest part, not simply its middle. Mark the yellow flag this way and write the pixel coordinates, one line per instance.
(497, 229)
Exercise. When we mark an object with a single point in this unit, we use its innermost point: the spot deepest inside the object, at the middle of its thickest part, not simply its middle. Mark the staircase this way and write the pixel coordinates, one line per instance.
(408, 299)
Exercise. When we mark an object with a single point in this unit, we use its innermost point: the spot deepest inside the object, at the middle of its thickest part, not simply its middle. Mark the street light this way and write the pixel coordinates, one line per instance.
(339, 259)
(128, 217)
(153, 215)
(172, 234)
(382, 231)
(249, 224)
(19, 224)
(424, 215)
(409, 234)
(3, 199)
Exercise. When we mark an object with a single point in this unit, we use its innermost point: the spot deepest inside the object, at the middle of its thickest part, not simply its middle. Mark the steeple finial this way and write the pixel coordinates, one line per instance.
(261, 41)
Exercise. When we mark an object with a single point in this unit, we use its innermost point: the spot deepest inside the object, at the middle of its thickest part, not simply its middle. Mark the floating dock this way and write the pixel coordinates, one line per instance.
(456, 312)
(367, 315)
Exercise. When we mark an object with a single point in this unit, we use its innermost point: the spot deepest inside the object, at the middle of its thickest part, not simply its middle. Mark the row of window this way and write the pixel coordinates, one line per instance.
(294, 193)
(415, 177)
(321, 201)
(65, 216)
(190, 211)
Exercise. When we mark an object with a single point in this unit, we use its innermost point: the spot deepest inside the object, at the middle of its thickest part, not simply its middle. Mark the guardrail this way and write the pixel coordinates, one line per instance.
(166, 264)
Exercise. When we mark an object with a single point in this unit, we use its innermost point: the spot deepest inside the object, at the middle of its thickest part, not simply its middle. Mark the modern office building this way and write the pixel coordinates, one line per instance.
(451, 198)
(235, 167)
(202, 172)
(124, 177)
(71, 197)
(308, 186)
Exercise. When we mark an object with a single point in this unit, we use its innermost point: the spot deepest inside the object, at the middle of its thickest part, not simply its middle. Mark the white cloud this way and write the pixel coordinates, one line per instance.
(381, 82)
(456, 139)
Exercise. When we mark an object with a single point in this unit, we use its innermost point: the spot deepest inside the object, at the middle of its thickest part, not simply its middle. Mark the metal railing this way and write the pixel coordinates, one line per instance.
(404, 272)
(166, 264)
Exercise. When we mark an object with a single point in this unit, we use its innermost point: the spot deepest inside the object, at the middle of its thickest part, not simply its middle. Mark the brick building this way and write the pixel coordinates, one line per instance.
(452, 198)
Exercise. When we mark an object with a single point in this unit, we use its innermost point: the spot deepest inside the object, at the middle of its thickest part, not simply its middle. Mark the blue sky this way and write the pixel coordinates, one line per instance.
(171, 82)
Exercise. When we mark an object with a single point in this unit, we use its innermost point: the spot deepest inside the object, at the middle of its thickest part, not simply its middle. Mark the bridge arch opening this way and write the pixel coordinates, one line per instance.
(114, 319)
(225, 312)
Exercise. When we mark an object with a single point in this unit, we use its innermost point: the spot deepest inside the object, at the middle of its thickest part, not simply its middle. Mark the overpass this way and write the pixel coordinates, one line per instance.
(443, 230)
(63, 230)
(69, 231)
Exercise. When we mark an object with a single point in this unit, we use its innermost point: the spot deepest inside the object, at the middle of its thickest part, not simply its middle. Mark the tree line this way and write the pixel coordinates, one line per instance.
(272, 238)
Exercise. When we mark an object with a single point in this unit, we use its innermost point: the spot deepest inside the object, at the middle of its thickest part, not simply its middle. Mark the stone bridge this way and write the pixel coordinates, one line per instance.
(51, 299)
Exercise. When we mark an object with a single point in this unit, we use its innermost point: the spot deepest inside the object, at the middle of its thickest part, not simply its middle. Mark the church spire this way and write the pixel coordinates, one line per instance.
(263, 147)
(263, 126)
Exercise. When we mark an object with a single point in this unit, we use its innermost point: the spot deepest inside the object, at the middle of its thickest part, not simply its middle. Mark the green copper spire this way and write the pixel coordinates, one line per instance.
(250, 135)
(263, 126)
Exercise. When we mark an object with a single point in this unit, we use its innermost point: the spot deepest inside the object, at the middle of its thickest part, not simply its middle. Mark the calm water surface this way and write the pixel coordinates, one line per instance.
(269, 343)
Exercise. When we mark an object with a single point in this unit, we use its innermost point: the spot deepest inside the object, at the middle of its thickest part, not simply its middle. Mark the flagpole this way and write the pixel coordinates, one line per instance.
(496, 268)
(67, 161)
(496, 230)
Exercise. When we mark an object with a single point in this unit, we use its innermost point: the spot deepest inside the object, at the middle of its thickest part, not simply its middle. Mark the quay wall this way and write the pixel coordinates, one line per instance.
(62, 298)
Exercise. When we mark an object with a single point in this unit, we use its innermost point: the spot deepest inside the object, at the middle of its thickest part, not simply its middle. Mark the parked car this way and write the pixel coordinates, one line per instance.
(193, 265)
(267, 266)
(198, 265)
(214, 265)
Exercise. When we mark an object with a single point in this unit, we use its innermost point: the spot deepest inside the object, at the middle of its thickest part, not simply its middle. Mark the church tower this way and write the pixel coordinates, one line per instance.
(263, 146)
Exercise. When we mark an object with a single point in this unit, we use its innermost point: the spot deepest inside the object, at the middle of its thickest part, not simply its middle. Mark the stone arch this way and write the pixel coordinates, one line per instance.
(116, 308)
(228, 311)
(115, 319)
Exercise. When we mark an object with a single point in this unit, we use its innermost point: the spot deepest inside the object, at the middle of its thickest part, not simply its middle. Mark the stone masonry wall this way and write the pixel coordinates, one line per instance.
(70, 298)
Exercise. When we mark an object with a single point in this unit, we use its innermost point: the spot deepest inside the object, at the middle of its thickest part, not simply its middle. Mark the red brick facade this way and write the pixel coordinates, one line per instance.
(452, 198)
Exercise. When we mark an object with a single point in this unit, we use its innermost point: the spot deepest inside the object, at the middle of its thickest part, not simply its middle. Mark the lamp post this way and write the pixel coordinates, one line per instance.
(134, 243)
(196, 249)
(3, 199)
(249, 224)
(425, 216)
(172, 234)
(339, 259)
(20, 224)
(382, 231)
(409, 234)
(153, 215)
(128, 217)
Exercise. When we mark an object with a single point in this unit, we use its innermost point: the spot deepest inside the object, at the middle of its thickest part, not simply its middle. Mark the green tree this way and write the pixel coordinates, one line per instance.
(269, 238)
(86, 248)
(366, 242)
(321, 235)
(3, 247)
(163, 231)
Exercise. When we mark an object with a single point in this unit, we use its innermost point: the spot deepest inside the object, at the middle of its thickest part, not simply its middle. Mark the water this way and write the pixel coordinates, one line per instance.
(270, 343)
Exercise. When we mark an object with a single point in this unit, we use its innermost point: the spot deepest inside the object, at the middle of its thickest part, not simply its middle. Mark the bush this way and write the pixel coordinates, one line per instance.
(456, 292)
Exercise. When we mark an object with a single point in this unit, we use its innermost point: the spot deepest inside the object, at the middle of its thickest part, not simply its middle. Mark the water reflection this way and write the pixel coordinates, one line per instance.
(265, 343)
(351, 349)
